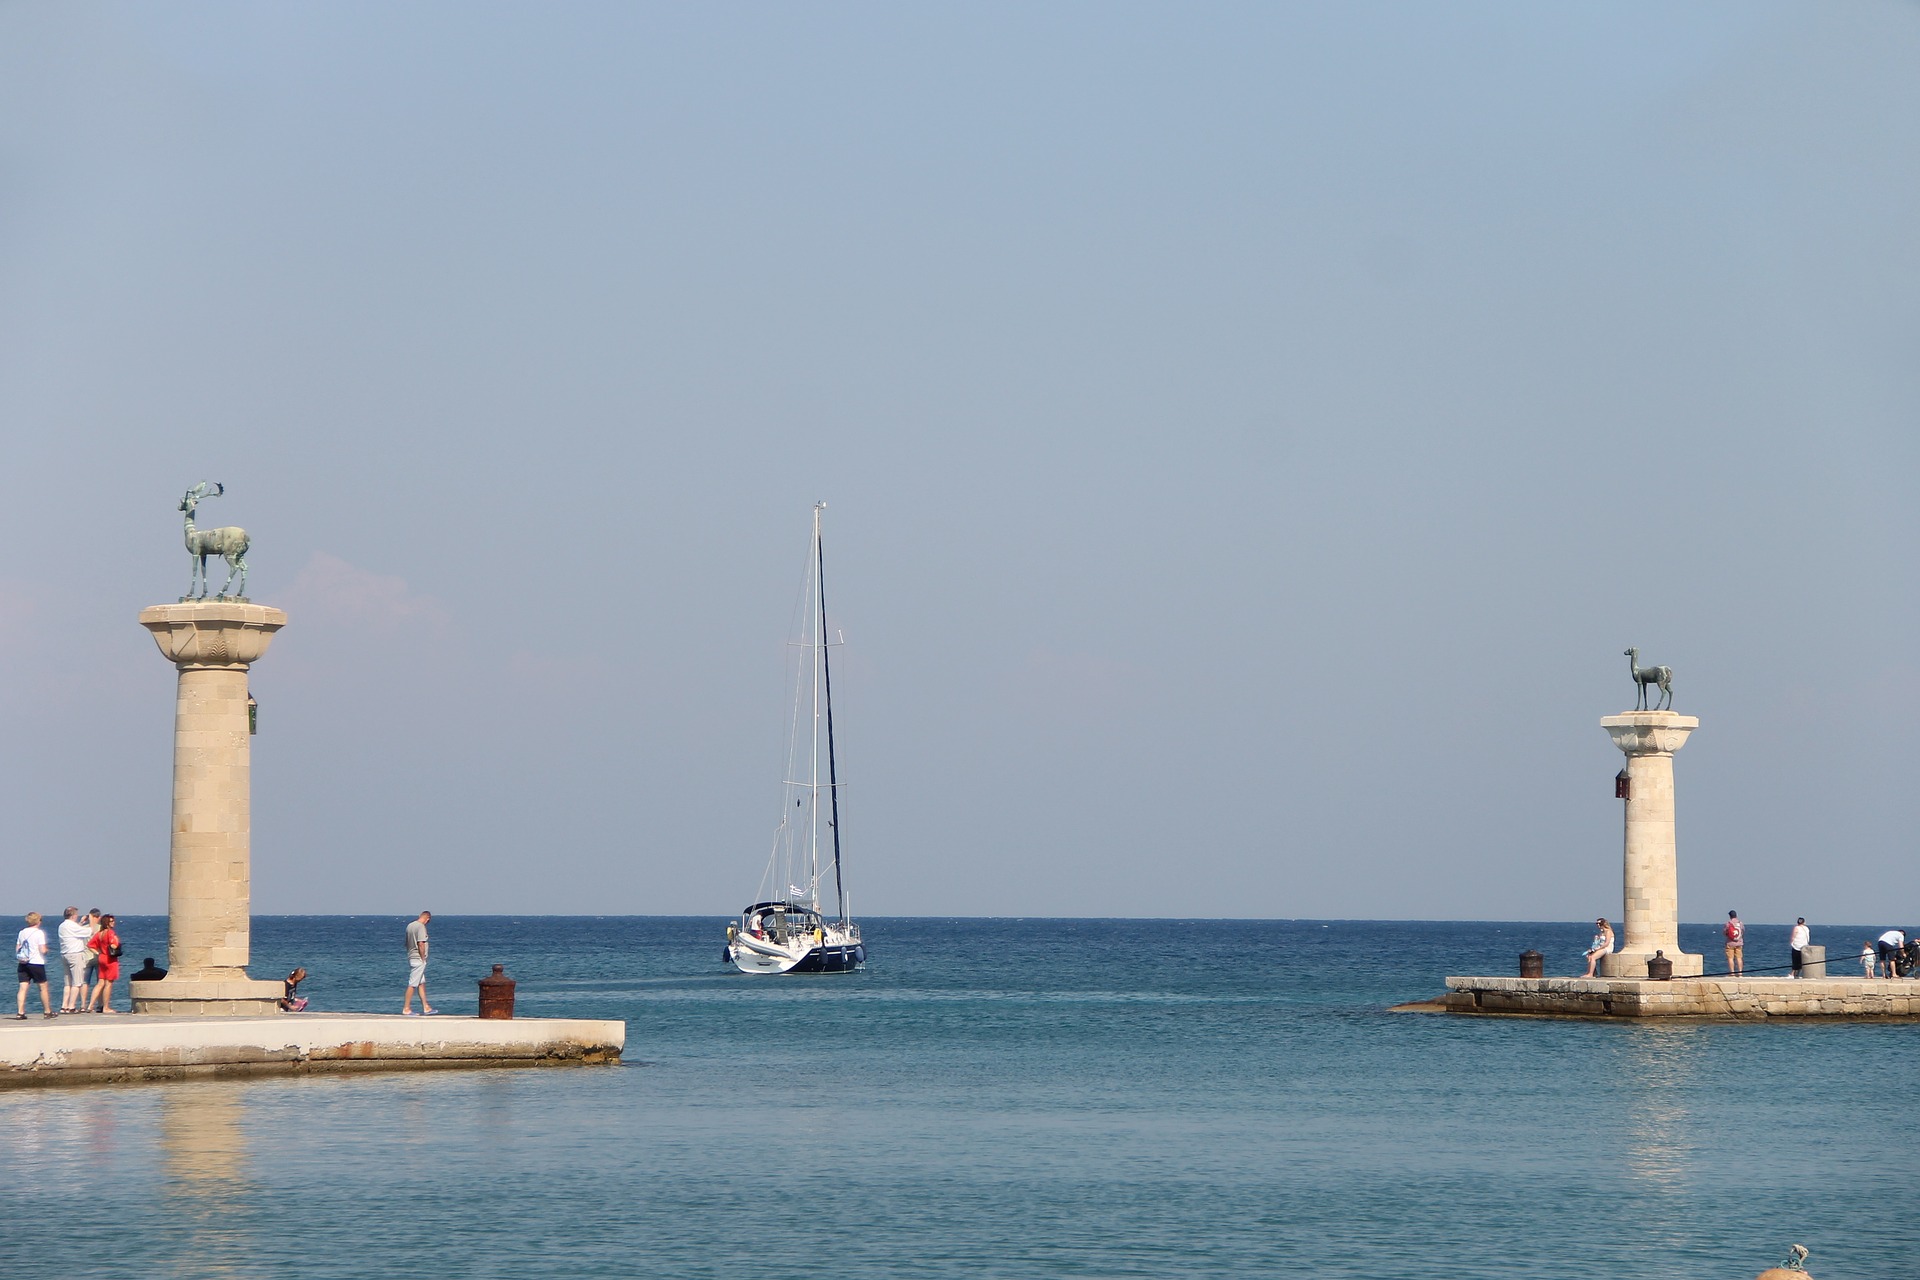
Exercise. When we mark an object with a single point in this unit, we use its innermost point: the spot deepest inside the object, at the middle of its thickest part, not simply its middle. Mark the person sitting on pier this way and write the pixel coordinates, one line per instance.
(293, 1001)
(1602, 944)
(148, 971)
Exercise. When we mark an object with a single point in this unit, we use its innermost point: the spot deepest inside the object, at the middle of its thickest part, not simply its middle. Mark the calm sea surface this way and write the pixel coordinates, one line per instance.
(995, 1098)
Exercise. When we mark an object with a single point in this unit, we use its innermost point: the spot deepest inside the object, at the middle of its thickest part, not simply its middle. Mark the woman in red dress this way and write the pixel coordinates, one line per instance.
(105, 944)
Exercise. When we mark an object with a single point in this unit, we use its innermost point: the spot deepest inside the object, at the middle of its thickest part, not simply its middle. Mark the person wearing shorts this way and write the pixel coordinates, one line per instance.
(1736, 943)
(92, 921)
(417, 964)
(74, 958)
(30, 949)
(1889, 948)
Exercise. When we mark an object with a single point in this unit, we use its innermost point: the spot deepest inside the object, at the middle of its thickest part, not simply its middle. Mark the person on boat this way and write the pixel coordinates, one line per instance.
(1602, 944)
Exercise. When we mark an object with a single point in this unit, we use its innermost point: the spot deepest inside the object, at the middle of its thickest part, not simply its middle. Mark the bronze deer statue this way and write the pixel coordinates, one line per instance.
(230, 544)
(1644, 676)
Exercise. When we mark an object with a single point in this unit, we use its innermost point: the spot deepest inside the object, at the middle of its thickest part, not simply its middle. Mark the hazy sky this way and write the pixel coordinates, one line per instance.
(1252, 434)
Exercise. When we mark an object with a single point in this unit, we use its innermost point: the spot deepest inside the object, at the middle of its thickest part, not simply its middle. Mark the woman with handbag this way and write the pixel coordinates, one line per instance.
(105, 945)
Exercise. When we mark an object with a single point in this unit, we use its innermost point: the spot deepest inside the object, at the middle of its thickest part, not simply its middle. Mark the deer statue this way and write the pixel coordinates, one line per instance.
(230, 544)
(1644, 676)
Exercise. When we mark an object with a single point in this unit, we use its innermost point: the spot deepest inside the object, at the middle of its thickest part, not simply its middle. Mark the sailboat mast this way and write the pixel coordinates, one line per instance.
(813, 747)
(826, 676)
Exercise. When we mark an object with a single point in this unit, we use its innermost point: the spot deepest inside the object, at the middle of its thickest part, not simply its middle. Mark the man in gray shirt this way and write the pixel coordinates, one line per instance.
(417, 964)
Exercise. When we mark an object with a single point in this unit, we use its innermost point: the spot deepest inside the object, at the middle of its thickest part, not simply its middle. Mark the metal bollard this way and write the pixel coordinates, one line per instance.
(496, 994)
(1533, 965)
(1659, 968)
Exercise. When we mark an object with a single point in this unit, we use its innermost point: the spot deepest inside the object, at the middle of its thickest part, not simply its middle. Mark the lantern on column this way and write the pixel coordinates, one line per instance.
(253, 714)
(1622, 786)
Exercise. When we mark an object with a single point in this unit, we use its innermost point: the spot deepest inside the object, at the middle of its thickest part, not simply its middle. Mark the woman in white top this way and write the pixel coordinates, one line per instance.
(1602, 944)
(30, 949)
(1797, 941)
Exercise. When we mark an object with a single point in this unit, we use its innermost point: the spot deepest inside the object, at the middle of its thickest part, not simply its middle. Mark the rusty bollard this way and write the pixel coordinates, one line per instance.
(1533, 965)
(1659, 968)
(496, 994)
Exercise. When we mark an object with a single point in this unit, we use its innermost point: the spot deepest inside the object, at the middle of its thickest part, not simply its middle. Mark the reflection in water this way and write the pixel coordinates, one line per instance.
(1660, 1063)
(203, 1148)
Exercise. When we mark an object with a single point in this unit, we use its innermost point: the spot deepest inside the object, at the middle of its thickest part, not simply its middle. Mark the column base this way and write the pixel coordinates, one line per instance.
(1633, 964)
(207, 997)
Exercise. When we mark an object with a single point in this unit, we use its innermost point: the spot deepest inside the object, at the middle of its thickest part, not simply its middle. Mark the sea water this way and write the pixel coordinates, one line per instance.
(995, 1098)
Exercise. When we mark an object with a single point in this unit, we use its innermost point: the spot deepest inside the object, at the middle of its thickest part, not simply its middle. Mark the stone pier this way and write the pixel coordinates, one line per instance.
(96, 1049)
(1650, 919)
(1718, 999)
(1651, 923)
(209, 889)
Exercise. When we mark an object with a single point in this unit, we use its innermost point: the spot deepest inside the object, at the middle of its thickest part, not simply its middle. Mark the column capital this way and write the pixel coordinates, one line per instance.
(1649, 733)
(225, 634)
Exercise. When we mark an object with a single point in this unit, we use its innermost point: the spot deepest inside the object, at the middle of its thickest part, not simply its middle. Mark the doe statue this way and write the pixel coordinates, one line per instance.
(1645, 676)
(230, 544)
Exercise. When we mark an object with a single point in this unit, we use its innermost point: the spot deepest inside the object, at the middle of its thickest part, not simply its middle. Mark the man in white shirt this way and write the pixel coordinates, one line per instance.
(1798, 941)
(30, 949)
(417, 964)
(73, 959)
(1889, 948)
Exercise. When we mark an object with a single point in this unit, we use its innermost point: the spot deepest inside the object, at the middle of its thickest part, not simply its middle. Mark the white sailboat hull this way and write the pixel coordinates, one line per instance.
(831, 950)
(756, 955)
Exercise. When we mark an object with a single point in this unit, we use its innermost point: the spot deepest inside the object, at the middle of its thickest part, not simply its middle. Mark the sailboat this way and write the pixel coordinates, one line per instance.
(784, 930)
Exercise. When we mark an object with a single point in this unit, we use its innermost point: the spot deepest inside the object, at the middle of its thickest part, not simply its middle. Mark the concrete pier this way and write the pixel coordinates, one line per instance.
(1717, 999)
(101, 1048)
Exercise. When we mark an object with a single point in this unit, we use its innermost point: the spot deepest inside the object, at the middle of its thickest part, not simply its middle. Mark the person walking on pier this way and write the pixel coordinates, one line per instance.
(1797, 942)
(30, 949)
(1736, 944)
(417, 964)
(74, 958)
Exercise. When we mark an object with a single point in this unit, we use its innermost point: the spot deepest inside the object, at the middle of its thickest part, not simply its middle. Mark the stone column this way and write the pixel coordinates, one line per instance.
(209, 888)
(1650, 920)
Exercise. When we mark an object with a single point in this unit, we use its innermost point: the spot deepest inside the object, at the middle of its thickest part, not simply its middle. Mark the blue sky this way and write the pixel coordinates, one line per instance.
(1252, 433)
